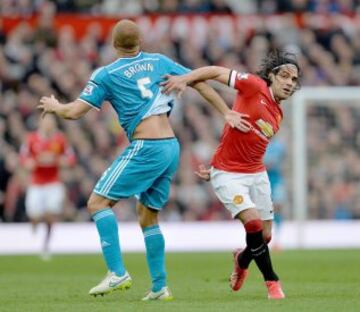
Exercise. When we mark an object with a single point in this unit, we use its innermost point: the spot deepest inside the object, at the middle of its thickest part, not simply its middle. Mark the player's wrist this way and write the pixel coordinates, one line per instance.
(57, 105)
(60, 109)
(227, 113)
(187, 80)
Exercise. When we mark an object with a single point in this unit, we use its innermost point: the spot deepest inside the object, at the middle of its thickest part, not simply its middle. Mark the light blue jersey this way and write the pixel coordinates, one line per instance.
(146, 167)
(131, 85)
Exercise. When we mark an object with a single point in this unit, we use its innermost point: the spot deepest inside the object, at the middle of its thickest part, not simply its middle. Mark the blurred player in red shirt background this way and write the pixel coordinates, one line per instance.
(43, 154)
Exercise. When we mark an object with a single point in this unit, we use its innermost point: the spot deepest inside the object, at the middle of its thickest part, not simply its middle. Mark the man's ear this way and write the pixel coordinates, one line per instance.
(271, 77)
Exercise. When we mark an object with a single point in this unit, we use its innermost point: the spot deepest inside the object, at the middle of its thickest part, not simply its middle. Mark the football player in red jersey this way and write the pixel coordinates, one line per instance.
(238, 174)
(44, 152)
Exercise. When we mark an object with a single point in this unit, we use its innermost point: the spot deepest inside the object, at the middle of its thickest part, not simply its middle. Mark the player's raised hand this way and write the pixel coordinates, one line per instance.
(173, 83)
(238, 120)
(203, 173)
(48, 104)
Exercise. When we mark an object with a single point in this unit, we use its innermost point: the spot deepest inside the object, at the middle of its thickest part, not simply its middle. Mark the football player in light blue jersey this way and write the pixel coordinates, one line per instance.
(145, 168)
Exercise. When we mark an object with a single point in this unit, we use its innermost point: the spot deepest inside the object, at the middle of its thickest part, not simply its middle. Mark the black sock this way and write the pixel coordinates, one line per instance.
(245, 258)
(260, 253)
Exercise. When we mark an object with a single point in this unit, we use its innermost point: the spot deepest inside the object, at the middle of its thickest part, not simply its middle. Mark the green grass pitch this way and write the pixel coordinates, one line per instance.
(319, 280)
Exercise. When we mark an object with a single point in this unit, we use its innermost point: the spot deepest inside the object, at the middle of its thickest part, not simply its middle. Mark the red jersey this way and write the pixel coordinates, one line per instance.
(46, 152)
(244, 152)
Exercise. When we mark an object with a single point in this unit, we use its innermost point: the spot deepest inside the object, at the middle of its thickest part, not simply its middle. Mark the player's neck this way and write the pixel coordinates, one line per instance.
(126, 53)
(274, 97)
(277, 100)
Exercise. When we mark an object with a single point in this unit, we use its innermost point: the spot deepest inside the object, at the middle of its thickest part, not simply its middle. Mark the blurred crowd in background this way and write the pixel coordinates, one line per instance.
(333, 147)
(40, 61)
(136, 7)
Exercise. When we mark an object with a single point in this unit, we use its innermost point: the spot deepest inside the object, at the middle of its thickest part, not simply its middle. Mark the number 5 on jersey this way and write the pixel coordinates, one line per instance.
(145, 93)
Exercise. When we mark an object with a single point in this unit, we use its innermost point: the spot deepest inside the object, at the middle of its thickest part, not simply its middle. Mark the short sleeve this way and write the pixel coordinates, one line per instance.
(94, 92)
(246, 83)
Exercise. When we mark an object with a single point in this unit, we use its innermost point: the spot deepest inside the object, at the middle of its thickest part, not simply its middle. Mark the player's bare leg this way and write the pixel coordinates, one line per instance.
(117, 277)
(155, 253)
(49, 220)
(34, 225)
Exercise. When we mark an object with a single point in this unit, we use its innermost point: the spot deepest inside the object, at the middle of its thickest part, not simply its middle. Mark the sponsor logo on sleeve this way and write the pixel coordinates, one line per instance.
(88, 89)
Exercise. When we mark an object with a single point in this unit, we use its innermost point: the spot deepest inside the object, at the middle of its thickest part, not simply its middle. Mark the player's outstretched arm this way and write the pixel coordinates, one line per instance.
(234, 119)
(72, 110)
(179, 83)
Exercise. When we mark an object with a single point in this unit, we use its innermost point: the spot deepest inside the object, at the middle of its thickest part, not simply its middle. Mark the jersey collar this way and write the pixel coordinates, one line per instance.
(272, 95)
(130, 57)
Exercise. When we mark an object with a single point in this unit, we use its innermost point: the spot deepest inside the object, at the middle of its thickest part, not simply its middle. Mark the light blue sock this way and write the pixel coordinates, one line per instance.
(106, 224)
(155, 256)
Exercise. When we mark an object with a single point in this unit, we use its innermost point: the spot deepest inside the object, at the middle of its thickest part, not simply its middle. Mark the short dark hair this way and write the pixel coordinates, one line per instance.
(126, 35)
(272, 62)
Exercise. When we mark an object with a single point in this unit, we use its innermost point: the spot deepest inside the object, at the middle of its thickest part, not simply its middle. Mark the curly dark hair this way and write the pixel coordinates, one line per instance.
(272, 62)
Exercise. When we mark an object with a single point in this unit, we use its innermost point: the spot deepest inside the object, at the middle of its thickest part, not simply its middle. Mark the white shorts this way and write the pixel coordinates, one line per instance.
(241, 191)
(44, 199)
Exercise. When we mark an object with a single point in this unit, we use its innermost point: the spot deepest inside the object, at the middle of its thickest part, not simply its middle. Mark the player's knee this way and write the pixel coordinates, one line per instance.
(248, 215)
(92, 205)
(253, 226)
(146, 216)
(96, 203)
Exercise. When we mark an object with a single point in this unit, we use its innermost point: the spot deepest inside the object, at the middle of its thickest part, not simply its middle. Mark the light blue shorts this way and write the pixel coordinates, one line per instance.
(278, 192)
(145, 170)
